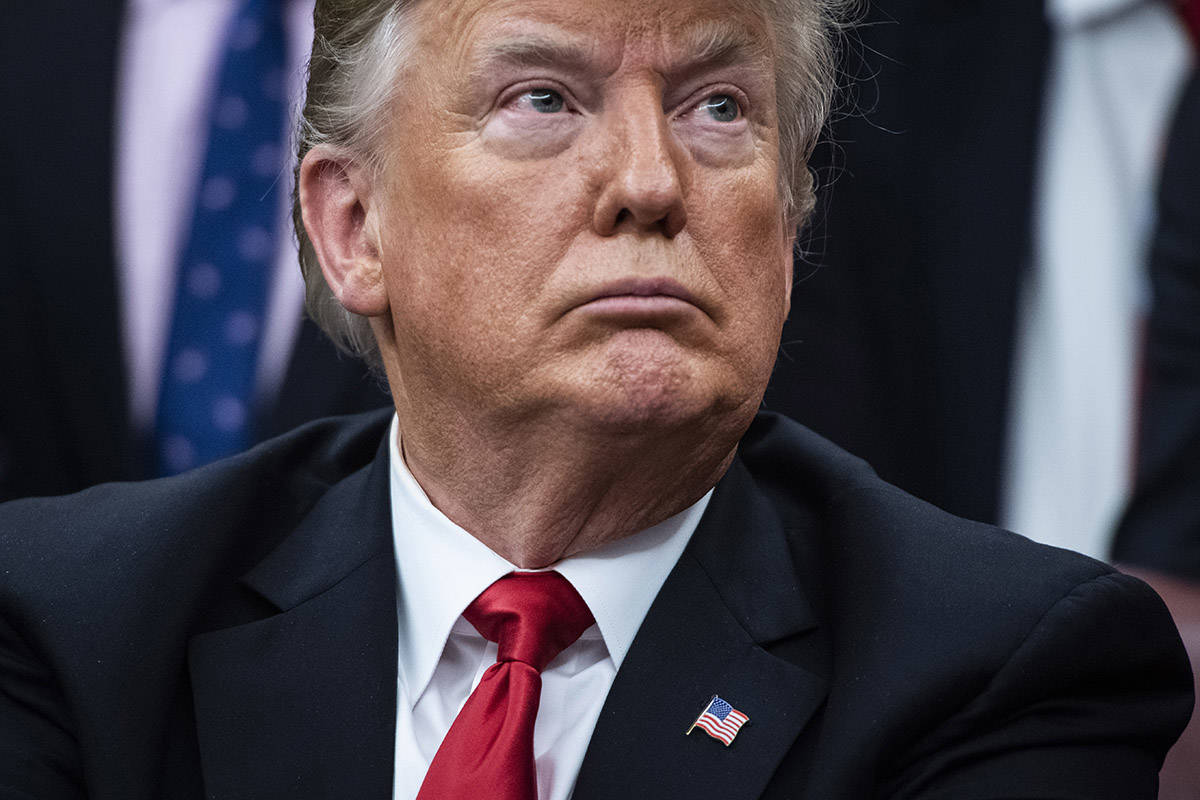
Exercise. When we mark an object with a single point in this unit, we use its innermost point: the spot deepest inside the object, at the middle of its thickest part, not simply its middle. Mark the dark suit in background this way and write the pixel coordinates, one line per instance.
(64, 407)
(1161, 528)
(900, 341)
(231, 633)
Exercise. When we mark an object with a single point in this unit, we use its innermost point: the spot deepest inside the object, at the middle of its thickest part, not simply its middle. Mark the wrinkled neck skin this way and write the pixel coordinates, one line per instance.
(537, 499)
(536, 489)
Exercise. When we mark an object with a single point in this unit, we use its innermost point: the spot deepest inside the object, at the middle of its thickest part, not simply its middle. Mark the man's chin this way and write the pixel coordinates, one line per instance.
(648, 384)
(661, 409)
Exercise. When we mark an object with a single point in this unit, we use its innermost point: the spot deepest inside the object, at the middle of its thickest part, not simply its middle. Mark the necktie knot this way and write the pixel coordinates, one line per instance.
(531, 616)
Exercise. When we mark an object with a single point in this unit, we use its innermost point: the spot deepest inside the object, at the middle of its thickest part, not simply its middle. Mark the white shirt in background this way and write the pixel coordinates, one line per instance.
(1116, 68)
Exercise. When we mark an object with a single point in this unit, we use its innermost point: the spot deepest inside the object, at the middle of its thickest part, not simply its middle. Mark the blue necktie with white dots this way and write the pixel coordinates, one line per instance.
(205, 403)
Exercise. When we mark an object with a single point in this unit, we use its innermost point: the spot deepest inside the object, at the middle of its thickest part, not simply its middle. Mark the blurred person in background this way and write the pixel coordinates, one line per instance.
(152, 312)
(969, 319)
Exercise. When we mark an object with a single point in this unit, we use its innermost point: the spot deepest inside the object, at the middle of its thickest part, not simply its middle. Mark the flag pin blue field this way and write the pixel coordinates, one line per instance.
(720, 720)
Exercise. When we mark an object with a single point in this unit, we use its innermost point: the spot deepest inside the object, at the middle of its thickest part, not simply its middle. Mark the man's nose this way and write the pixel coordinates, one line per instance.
(642, 181)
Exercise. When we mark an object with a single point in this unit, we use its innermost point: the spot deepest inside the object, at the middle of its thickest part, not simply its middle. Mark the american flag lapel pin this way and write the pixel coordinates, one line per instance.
(719, 720)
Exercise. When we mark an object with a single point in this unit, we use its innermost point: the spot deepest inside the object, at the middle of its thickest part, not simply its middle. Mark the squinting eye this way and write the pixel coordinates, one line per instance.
(545, 101)
(721, 107)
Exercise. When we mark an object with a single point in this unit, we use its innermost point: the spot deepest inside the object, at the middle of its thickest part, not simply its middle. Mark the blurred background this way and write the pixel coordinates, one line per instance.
(152, 315)
(997, 303)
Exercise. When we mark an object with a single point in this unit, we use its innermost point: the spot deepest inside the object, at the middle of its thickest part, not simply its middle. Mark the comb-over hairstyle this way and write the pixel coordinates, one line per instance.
(360, 47)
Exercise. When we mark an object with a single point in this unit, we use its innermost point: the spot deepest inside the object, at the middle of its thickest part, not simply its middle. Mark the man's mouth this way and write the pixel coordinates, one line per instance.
(640, 296)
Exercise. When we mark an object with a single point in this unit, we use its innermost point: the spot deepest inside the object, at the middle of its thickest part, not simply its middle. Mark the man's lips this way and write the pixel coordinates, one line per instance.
(640, 296)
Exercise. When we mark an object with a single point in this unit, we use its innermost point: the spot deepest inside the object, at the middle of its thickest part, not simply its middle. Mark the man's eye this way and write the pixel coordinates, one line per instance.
(721, 107)
(545, 101)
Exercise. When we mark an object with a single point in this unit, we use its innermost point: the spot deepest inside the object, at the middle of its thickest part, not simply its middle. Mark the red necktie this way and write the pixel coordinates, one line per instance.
(488, 752)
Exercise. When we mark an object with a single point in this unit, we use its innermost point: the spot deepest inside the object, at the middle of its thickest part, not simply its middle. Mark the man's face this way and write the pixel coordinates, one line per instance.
(580, 216)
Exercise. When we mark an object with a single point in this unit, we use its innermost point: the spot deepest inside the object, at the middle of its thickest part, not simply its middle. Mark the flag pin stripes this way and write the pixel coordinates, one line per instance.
(719, 720)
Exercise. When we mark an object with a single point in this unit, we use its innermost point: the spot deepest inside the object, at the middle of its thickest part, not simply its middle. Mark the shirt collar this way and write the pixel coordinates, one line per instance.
(442, 568)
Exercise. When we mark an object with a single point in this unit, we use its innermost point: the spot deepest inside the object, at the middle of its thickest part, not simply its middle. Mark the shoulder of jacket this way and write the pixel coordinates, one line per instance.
(55, 550)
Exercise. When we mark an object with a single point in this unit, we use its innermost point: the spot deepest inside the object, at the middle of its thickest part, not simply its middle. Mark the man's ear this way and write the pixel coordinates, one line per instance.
(341, 222)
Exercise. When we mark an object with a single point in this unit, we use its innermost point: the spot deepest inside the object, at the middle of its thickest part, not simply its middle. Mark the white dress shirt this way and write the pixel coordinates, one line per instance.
(1115, 72)
(442, 568)
(169, 58)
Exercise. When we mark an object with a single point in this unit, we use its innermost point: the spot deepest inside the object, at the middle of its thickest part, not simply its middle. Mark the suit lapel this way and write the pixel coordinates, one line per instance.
(733, 591)
(303, 703)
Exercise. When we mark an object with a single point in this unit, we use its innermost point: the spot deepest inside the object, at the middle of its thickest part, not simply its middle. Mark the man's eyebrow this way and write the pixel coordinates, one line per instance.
(528, 50)
(703, 45)
(716, 44)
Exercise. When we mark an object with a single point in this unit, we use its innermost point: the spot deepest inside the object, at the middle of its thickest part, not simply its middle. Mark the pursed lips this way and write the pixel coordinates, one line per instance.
(640, 296)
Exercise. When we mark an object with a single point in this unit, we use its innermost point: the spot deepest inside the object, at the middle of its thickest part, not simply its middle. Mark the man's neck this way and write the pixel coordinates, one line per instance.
(539, 492)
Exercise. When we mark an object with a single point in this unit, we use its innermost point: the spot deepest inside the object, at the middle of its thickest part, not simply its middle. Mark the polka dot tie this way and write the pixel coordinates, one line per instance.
(205, 403)
(488, 752)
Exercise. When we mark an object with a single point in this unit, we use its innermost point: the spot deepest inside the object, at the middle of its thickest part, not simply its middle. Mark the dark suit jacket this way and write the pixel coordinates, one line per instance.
(64, 416)
(900, 342)
(231, 633)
